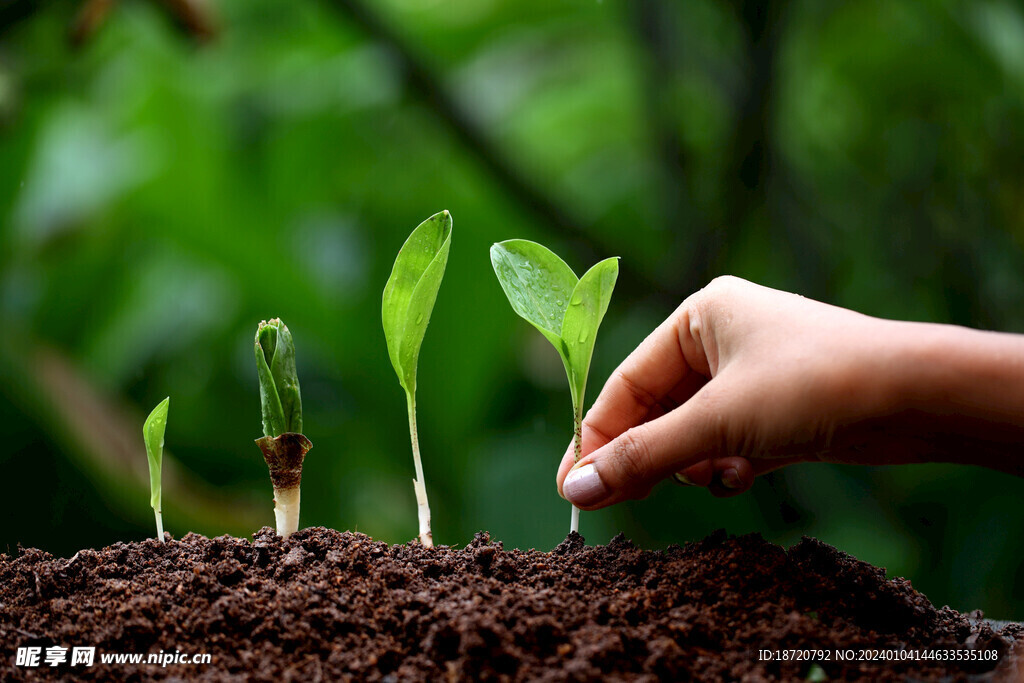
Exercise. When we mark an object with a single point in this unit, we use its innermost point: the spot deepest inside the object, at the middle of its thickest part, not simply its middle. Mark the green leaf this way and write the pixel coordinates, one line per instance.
(587, 306)
(816, 674)
(411, 291)
(537, 283)
(568, 311)
(270, 402)
(153, 433)
(280, 398)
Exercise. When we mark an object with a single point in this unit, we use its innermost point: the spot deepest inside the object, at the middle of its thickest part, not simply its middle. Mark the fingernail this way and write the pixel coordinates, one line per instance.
(583, 486)
(682, 479)
(731, 479)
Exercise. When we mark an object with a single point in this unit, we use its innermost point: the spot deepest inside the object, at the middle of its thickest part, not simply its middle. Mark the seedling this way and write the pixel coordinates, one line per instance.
(567, 310)
(153, 433)
(409, 297)
(283, 444)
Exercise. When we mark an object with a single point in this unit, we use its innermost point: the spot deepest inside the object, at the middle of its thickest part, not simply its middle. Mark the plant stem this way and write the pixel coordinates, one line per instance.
(577, 435)
(284, 455)
(577, 439)
(159, 524)
(286, 511)
(423, 507)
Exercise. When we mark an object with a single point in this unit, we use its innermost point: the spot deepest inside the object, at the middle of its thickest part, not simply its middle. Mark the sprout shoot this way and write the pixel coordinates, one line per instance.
(153, 433)
(409, 297)
(567, 310)
(283, 445)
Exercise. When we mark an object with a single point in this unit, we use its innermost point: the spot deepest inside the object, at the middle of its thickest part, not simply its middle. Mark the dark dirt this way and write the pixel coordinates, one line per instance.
(325, 605)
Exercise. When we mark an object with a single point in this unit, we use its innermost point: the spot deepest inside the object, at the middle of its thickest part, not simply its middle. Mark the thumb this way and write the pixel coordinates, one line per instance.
(629, 465)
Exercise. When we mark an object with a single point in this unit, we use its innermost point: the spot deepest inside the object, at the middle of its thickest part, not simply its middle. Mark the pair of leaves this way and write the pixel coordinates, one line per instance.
(280, 399)
(153, 433)
(567, 310)
(411, 291)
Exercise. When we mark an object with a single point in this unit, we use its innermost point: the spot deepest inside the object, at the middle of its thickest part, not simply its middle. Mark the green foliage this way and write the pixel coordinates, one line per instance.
(410, 293)
(153, 433)
(567, 310)
(280, 399)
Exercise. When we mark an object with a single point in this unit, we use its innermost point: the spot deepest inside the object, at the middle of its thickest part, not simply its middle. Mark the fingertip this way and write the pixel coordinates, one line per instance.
(585, 488)
(733, 476)
(730, 479)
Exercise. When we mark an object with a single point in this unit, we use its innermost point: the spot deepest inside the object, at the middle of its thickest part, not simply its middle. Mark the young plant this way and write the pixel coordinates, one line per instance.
(283, 444)
(408, 301)
(567, 310)
(153, 433)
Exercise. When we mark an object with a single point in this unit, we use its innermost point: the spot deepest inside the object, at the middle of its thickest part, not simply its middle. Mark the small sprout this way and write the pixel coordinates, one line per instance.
(283, 444)
(815, 674)
(409, 297)
(153, 433)
(567, 310)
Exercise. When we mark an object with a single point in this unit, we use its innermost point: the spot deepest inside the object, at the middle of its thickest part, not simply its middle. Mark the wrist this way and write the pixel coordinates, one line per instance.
(962, 392)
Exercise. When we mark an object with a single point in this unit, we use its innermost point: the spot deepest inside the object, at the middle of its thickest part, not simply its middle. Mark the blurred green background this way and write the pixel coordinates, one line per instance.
(173, 172)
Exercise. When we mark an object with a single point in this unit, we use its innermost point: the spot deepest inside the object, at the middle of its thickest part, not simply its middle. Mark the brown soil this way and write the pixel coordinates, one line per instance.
(325, 605)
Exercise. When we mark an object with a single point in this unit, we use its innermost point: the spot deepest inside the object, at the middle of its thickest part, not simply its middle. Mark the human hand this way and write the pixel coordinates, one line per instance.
(742, 379)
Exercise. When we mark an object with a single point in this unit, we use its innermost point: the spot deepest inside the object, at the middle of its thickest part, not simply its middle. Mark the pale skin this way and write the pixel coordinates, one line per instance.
(742, 379)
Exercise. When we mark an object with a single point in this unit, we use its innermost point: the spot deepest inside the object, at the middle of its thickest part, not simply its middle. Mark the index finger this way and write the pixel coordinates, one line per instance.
(656, 368)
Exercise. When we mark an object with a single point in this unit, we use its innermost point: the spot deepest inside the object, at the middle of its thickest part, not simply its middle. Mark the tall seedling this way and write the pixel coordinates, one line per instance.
(567, 310)
(153, 434)
(283, 445)
(408, 301)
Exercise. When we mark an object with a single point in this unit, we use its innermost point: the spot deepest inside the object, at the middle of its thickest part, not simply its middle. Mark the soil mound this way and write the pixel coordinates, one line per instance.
(325, 605)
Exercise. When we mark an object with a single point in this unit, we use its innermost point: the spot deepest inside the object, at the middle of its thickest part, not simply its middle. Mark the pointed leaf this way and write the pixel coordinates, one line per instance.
(537, 283)
(587, 307)
(411, 291)
(270, 403)
(286, 379)
(153, 433)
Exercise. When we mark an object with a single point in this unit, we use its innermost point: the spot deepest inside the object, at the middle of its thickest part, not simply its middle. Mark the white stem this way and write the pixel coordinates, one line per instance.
(286, 511)
(159, 524)
(423, 507)
(577, 441)
(423, 510)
